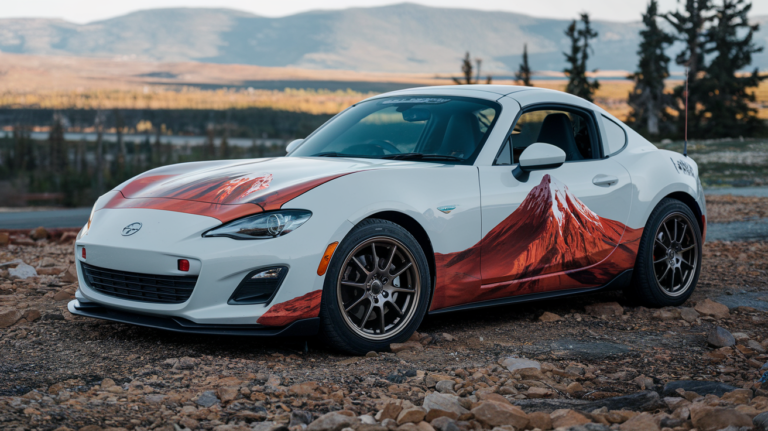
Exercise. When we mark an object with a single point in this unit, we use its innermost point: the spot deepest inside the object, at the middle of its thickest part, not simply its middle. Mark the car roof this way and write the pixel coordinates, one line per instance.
(492, 92)
(486, 91)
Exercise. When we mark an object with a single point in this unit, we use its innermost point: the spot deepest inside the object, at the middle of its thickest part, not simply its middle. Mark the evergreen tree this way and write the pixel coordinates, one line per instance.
(647, 99)
(690, 25)
(523, 75)
(469, 72)
(726, 102)
(58, 156)
(578, 84)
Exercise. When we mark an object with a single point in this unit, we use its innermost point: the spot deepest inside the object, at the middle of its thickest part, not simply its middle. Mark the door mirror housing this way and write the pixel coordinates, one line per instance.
(293, 145)
(536, 157)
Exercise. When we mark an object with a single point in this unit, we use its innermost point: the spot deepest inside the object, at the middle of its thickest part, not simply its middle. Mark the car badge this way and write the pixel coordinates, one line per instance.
(131, 229)
(447, 209)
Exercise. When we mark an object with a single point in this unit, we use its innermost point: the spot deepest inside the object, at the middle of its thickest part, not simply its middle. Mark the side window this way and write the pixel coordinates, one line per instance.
(617, 137)
(572, 131)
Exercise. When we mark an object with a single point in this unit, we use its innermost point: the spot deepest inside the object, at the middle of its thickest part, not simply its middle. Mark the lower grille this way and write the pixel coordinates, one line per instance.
(167, 289)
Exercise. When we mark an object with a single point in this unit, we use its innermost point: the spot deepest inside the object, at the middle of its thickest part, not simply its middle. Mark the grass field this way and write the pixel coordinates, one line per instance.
(727, 162)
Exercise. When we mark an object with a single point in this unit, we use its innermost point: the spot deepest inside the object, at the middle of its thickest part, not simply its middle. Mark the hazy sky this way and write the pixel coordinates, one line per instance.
(82, 11)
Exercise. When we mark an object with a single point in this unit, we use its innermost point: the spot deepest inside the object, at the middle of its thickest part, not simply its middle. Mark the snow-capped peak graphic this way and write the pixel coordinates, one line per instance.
(552, 198)
(551, 232)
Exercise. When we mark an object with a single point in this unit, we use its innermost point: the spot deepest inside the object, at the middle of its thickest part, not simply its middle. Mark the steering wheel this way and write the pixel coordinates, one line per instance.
(379, 144)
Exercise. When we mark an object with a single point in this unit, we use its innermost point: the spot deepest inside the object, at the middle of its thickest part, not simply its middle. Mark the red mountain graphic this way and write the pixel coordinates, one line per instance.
(551, 241)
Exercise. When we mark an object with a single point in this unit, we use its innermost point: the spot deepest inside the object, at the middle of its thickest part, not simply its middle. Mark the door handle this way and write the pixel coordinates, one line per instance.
(605, 180)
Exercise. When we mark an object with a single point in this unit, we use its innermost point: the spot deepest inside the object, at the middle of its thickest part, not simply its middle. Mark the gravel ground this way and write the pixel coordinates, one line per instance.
(596, 359)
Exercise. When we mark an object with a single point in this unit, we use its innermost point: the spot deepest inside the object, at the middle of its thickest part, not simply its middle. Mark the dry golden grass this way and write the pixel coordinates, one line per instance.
(52, 82)
(310, 101)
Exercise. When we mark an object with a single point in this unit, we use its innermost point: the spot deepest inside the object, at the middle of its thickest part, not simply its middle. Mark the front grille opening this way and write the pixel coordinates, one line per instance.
(254, 290)
(165, 289)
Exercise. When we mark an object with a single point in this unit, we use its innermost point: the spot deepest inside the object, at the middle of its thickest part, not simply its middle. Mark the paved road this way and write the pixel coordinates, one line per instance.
(739, 191)
(76, 217)
(752, 230)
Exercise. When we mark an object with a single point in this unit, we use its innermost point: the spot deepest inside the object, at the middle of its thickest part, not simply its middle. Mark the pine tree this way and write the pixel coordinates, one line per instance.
(469, 72)
(578, 84)
(726, 102)
(57, 156)
(690, 25)
(523, 75)
(647, 99)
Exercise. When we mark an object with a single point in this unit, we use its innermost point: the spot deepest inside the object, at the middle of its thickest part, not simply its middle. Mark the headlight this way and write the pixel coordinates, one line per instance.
(262, 226)
(101, 202)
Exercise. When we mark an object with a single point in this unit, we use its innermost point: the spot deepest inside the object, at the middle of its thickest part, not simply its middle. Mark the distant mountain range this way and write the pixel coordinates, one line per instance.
(398, 38)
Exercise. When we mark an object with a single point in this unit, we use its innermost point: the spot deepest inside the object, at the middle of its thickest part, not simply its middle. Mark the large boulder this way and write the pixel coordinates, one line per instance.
(566, 418)
(709, 307)
(706, 418)
(720, 337)
(761, 422)
(444, 402)
(9, 316)
(22, 271)
(493, 414)
(332, 422)
(515, 364)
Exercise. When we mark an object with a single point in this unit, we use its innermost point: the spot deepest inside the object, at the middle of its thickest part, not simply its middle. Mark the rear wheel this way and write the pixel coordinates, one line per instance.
(669, 257)
(376, 289)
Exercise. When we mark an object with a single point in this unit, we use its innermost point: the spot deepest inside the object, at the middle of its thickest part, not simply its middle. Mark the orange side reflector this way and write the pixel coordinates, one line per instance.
(326, 260)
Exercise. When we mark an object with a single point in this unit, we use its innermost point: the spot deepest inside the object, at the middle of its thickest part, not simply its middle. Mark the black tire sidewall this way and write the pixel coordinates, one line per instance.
(645, 288)
(333, 326)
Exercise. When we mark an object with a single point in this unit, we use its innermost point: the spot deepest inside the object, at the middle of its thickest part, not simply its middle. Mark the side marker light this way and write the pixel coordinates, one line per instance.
(326, 260)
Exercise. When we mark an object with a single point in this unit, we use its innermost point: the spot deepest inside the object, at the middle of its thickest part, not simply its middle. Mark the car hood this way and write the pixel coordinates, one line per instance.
(229, 189)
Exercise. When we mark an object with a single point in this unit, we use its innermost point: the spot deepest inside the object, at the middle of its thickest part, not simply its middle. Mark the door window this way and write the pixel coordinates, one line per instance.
(572, 131)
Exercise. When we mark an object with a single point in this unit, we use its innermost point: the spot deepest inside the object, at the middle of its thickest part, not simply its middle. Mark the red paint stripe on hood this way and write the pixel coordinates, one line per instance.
(270, 201)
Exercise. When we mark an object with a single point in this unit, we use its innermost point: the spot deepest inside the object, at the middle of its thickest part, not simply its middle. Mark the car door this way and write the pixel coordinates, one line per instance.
(554, 230)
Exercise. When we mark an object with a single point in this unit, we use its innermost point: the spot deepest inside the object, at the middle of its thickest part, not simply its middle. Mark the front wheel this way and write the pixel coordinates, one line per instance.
(376, 290)
(669, 257)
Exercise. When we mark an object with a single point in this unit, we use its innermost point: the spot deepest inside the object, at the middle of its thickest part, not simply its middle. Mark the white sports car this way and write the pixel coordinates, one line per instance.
(425, 200)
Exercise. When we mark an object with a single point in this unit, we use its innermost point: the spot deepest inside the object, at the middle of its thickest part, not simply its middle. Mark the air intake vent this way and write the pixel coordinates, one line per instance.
(167, 289)
(259, 286)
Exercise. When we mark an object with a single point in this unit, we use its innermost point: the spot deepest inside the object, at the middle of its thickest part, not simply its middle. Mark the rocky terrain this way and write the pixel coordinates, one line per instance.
(592, 362)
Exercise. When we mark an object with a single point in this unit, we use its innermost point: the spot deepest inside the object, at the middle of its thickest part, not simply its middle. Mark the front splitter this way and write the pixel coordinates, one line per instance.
(299, 328)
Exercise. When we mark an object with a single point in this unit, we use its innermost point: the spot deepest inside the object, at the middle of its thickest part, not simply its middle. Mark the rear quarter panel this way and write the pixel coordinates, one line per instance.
(655, 175)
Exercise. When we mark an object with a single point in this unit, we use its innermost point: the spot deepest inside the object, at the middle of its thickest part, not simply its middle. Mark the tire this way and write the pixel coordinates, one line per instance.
(659, 254)
(349, 291)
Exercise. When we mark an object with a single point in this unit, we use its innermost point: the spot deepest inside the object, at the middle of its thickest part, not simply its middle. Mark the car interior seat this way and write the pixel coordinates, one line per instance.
(462, 135)
(557, 130)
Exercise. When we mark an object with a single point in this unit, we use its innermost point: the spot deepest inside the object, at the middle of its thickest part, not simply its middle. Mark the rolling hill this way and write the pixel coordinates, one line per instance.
(399, 38)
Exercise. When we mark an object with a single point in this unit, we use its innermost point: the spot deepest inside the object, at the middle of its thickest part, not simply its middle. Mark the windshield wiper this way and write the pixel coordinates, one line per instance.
(335, 154)
(422, 156)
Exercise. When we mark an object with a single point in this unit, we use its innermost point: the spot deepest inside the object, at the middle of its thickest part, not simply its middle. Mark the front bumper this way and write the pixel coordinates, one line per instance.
(219, 263)
(299, 328)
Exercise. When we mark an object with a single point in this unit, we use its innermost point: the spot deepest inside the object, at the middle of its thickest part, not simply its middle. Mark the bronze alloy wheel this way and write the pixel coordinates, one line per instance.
(675, 254)
(378, 288)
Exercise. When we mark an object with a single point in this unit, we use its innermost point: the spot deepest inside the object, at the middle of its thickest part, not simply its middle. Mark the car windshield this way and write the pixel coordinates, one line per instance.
(435, 128)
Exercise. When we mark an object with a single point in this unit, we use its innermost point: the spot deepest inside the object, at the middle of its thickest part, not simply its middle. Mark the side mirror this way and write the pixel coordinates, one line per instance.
(536, 157)
(293, 145)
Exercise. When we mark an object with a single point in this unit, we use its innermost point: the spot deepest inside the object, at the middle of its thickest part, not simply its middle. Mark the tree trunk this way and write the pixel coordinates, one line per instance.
(99, 155)
(653, 116)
